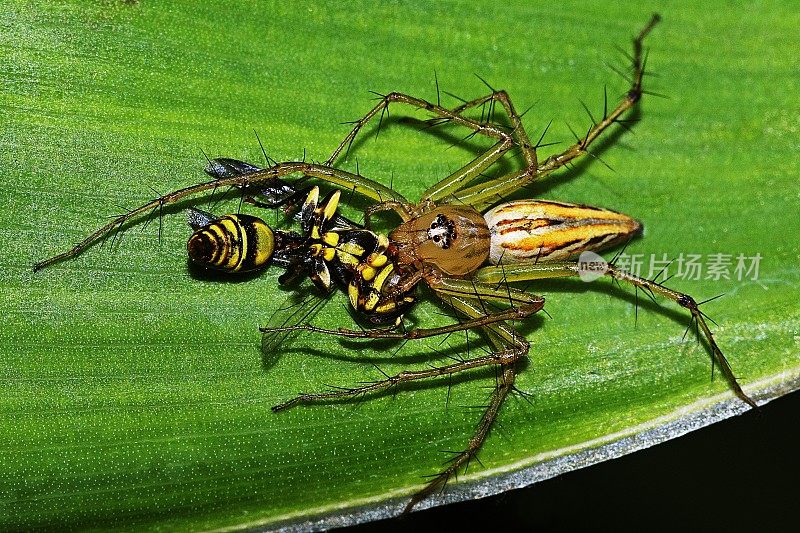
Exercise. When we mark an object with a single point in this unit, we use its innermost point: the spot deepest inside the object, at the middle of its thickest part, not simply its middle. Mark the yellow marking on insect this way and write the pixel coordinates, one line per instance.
(352, 249)
(265, 244)
(372, 300)
(380, 279)
(333, 203)
(331, 238)
(542, 230)
(315, 249)
(376, 260)
(347, 259)
(353, 293)
(367, 272)
(386, 307)
(325, 275)
(328, 254)
(313, 197)
(231, 228)
(383, 241)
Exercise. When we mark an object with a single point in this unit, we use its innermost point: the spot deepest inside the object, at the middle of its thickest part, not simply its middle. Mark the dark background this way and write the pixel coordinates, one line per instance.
(738, 474)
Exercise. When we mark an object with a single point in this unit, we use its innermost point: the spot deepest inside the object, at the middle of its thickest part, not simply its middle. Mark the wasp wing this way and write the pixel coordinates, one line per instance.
(298, 308)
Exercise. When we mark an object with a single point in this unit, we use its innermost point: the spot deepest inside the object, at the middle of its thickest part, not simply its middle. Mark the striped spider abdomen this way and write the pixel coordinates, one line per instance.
(543, 230)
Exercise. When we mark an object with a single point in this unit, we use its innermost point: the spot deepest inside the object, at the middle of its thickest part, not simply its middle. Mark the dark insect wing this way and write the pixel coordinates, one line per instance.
(225, 167)
(300, 307)
(277, 193)
(198, 218)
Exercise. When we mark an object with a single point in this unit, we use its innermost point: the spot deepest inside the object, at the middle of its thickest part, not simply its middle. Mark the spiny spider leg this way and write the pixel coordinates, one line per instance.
(484, 195)
(509, 348)
(528, 150)
(348, 180)
(504, 386)
(505, 339)
(489, 130)
(404, 376)
(514, 313)
(528, 272)
(445, 187)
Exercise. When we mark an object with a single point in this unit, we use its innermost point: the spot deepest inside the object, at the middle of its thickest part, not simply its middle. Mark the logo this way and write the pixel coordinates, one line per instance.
(591, 266)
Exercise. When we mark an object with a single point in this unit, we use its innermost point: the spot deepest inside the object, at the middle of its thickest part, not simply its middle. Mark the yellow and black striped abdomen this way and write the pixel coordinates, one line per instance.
(233, 243)
(543, 230)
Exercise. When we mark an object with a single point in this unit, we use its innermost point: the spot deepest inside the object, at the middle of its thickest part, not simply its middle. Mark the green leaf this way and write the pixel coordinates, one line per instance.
(134, 394)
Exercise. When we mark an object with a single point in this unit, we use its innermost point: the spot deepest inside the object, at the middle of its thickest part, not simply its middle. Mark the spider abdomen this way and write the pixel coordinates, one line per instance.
(543, 230)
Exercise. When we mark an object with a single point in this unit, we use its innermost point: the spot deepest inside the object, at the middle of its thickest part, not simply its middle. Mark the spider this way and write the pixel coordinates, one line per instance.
(445, 240)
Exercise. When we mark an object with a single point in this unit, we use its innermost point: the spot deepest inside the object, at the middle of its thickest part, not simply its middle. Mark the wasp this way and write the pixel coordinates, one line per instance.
(455, 240)
(330, 249)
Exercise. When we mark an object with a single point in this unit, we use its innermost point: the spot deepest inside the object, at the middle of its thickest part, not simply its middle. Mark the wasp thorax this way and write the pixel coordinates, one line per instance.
(233, 243)
(455, 239)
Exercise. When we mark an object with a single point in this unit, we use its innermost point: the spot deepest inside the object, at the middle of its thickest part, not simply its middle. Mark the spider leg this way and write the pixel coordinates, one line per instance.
(509, 348)
(484, 195)
(534, 271)
(521, 136)
(466, 174)
(402, 209)
(505, 339)
(479, 320)
(342, 178)
(489, 130)
(504, 386)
